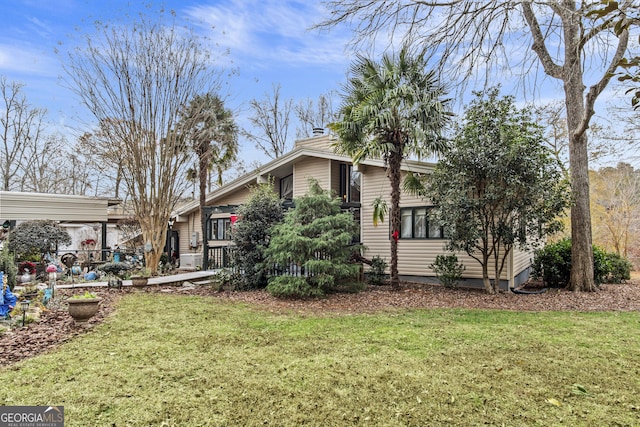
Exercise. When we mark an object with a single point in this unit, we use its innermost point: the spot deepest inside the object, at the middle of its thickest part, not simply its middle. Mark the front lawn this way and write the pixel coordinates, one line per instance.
(193, 361)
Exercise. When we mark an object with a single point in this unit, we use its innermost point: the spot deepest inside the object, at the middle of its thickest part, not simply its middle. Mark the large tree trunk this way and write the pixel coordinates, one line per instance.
(581, 239)
(395, 160)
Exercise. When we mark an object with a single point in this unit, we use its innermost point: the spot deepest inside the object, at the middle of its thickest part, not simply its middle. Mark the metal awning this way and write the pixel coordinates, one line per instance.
(19, 206)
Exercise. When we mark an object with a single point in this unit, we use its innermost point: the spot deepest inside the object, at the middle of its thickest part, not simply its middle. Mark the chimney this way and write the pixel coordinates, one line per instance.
(318, 131)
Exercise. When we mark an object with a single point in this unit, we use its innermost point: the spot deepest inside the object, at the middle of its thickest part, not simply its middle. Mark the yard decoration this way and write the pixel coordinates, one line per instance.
(7, 299)
(114, 270)
(83, 307)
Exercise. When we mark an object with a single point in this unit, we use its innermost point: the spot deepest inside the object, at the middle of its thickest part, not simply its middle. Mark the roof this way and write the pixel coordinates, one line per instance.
(22, 206)
(316, 147)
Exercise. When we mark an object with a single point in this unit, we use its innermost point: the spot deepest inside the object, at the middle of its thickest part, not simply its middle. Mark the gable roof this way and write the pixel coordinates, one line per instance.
(315, 147)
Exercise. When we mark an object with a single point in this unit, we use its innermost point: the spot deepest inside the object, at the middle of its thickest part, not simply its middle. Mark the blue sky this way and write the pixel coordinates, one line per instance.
(269, 42)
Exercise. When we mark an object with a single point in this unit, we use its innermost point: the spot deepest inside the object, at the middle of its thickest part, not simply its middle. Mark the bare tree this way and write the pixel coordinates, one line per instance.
(21, 127)
(271, 117)
(138, 78)
(605, 140)
(465, 36)
(43, 168)
(616, 198)
(314, 115)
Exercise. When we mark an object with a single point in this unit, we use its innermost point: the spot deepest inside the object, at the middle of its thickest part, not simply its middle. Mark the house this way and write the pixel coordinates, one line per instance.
(419, 242)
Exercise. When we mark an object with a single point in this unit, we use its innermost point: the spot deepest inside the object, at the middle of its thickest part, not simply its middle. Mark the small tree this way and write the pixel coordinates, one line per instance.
(497, 186)
(37, 237)
(391, 109)
(251, 233)
(314, 243)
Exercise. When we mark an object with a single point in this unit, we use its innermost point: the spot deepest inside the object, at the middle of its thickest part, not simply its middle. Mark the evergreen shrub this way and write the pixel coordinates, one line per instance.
(448, 270)
(376, 275)
(552, 264)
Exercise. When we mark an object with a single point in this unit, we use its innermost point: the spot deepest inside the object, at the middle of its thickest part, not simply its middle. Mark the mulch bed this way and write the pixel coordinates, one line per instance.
(56, 326)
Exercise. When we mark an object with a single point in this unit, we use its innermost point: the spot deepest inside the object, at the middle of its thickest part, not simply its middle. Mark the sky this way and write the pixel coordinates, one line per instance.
(268, 41)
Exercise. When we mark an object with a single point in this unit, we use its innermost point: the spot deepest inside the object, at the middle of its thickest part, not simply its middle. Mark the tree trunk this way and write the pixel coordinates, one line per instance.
(395, 160)
(202, 175)
(485, 275)
(581, 239)
(154, 231)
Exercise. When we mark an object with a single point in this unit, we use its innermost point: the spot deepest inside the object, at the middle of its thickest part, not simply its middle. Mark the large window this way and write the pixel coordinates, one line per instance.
(415, 224)
(286, 187)
(349, 184)
(220, 229)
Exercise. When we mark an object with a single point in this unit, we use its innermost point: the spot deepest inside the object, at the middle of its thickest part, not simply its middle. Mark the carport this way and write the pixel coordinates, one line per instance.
(20, 206)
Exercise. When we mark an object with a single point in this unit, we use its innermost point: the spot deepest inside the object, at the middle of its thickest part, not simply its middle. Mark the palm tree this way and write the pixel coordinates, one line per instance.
(391, 110)
(212, 135)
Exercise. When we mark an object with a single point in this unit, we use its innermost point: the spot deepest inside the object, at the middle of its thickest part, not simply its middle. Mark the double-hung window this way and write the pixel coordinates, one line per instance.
(220, 229)
(415, 224)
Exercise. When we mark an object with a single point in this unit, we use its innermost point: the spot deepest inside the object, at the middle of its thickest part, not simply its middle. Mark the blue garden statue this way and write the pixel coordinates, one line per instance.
(7, 299)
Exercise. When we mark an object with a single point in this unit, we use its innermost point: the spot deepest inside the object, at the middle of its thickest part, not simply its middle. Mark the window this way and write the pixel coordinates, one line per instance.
(414, 224)
(220, 229)
(286, 187)
(349, 184)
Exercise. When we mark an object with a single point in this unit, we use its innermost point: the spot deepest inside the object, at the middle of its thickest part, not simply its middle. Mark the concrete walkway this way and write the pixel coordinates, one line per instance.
(173, 280)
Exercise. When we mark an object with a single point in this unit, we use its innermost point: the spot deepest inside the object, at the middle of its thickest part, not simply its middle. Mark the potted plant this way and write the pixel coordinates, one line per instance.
(140, 277)
(83, 307)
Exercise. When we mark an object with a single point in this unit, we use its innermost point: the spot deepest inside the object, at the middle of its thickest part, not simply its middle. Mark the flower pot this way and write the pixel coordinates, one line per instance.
(83, 309)
(139, 281)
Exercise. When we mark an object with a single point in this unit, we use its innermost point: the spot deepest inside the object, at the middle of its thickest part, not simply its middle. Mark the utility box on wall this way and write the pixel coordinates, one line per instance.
(194, 239)
(190, 261)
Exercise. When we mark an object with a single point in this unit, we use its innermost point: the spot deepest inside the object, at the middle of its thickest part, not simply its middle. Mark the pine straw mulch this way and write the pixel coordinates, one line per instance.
(56, 326)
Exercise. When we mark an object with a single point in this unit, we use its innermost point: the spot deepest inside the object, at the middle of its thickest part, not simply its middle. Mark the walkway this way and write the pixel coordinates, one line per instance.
(173, 280)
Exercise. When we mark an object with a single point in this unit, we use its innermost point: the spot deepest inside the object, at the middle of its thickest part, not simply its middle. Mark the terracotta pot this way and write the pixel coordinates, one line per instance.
(139, 281)
(83, 309)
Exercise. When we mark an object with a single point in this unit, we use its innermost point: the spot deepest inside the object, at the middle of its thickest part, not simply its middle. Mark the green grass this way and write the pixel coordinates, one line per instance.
(190, 361)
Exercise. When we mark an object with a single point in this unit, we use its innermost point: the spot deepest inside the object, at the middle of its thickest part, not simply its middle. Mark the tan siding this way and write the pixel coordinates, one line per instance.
(319, 169)
(236, 198)
(522, 259)
(184, 232)
(414, 256)
(319, 143)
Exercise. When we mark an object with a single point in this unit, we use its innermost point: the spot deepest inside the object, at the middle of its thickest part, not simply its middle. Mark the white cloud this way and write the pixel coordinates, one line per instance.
(258, 31)
(23, 59)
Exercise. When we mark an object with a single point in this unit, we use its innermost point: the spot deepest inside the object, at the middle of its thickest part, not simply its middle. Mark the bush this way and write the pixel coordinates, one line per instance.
(37, 237)
(552, 264)
(448, 270)
(619, 268)
(292, 287)
(252, 234)
(376, 275)
(315, 238)
(8, 265)
(600, 265)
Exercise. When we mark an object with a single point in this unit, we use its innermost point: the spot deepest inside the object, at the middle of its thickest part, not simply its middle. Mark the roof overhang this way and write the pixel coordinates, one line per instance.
(282, 166)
